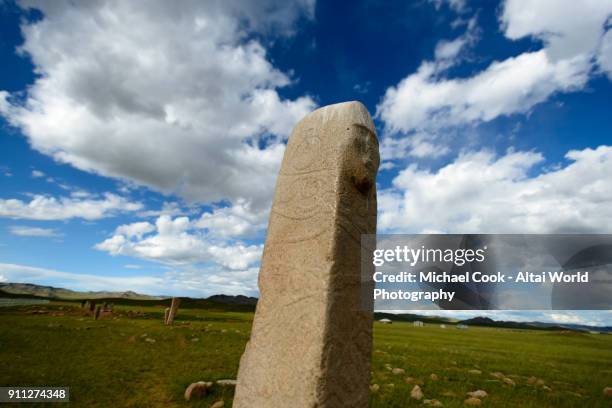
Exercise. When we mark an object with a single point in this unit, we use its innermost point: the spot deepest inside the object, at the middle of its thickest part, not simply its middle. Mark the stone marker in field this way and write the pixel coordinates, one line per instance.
(166, 314)
(311, 340)
(97, 312)
(173, 309)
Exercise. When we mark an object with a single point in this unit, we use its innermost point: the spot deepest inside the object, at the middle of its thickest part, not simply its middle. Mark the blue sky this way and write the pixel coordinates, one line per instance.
(139, 147)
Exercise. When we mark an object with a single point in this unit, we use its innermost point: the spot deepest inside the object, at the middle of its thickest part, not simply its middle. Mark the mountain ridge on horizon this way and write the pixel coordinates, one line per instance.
(50, 292)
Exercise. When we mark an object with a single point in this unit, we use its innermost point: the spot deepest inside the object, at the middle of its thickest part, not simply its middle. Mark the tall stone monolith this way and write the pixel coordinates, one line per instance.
(166, 314)
(173, 309)
(311, 340)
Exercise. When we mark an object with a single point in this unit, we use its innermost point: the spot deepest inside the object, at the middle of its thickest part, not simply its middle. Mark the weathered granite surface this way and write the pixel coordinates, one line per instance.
(311, 344)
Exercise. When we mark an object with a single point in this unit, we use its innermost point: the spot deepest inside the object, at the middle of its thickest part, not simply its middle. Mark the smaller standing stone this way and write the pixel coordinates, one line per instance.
(166, 314)
(97, 312)
(173, 309)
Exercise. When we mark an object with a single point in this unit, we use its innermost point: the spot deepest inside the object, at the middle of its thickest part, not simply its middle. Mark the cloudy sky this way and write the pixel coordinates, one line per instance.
(139, 145)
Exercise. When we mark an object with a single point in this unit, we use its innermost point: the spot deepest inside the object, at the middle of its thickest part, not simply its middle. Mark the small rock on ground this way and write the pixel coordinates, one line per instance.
(432, 403)
(433, 377)
(535, 381)
(477, 372)
(472, 401)
(374, 387)
(509, 381)
(607, 391)
(217, 404)
(416, 393)
(478, 394)
(398, 371)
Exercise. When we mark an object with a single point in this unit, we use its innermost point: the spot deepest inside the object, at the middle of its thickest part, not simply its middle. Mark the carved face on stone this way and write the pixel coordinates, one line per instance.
(363, 158)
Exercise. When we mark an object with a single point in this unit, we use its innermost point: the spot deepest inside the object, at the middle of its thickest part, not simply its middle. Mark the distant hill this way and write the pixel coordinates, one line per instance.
(220, 302)
(488, 322)
(233, 300)
(61, 293)
(242, 303)
(410, 317)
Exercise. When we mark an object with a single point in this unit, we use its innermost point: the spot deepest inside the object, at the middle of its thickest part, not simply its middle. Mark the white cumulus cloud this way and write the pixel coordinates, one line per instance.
(25, 231)
(573, 35)
(480, 192)
(188, 282)
(239, 220)
(48, 208)
(178, 242)
(175, 95)
(423, 101)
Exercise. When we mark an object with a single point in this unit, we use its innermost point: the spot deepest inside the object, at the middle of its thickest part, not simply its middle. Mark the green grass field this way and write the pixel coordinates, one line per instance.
(110, 362)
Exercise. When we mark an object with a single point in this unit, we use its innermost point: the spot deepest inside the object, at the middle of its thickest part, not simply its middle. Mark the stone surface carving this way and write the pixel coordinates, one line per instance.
(311, 341)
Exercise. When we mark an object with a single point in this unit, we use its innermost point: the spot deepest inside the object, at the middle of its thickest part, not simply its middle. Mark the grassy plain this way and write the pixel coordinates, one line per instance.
(137, 361)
